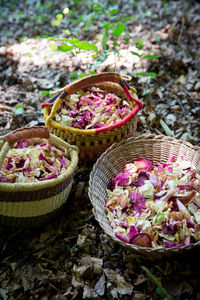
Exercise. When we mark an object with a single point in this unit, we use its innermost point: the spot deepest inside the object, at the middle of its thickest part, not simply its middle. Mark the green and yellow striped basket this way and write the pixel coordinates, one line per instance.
(93, 142)
(34, 203)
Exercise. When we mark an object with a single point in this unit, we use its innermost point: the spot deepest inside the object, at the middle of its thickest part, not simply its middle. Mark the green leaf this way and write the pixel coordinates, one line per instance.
(113, 11)
(141, 74)
(23, 39)
(21, 15)
(151, 56)
(7, 32)
(74, 41)
(100, 59)
(152, 74)
(74, 75)
(55, 23)
(105, 40)
(51, 38)
(99, 12)
(127, 18)
(118, 30)
(89, 23)
(84, 75)
(86, 46)
(114, 50)
(139, 47)
(44, 93)
(139, 44)
(136, 54)
(96, 6)
(67, 31)
(126, 39)
(107, 25)
(20, 106)
(65, 48)
(53, 47)
(59, 16)
(138, 41)
(63, 39)
(164, 2)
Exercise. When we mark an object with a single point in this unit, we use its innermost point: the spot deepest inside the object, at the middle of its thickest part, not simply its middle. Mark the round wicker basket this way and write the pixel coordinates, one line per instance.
(158, 148)
(93, 142)
(35, 203)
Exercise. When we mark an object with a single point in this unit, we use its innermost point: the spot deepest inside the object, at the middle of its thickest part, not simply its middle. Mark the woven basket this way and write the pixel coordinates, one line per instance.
(34, 203)
(93, 142)
(158, 148)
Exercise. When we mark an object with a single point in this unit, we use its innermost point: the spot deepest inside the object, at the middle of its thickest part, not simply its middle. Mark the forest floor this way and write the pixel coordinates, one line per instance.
(72, 258)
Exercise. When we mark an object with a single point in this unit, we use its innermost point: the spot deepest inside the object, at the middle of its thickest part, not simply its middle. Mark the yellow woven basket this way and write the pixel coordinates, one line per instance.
(159, 149)
(34, 203)
(93, 142)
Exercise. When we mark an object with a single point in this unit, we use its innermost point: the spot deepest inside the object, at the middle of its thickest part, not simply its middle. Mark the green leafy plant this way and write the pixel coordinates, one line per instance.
(112, 28)
(142, 56)
(160, 290)
(110, 32)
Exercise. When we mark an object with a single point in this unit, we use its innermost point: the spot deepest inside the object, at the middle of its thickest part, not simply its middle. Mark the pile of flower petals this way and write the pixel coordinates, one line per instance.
(29, 162)
(155, 205)
(92, 108)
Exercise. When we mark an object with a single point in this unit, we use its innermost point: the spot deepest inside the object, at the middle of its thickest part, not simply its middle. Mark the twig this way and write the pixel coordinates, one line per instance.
(181, 105)
(181, 30)
(163, 291)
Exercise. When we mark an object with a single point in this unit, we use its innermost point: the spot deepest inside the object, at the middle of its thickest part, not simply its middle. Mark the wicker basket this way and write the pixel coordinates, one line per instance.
(158, 149)
(34, 203)
(93, 142)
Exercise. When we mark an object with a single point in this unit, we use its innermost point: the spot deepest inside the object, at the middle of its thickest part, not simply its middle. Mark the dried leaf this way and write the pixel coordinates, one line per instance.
(123, 287)
(100, 286)
(182, 79)
(167, 130)
(95, 263)
(89, 293)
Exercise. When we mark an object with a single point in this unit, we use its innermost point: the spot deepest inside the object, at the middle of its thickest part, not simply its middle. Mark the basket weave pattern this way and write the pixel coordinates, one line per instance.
(157, 148)
(93, 142)
(26, 203)
(92, 146)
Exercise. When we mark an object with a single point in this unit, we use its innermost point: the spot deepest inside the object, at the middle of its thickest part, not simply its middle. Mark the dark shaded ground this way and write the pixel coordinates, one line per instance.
(72, 258)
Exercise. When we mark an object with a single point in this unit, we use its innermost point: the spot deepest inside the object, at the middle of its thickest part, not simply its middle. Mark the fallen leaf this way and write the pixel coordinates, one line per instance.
(100, 286)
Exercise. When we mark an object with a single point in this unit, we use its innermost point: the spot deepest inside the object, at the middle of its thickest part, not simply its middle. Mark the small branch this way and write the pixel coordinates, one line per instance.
(181, 30)
(163, 291)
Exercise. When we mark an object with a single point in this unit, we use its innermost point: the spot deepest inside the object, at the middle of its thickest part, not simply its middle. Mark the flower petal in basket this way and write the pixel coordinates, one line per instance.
(33, 203)
(156, 148)
(93, 142)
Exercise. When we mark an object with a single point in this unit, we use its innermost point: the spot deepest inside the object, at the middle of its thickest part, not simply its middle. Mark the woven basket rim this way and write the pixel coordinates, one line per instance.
(34, 186)
(116, 146)
(57, 125)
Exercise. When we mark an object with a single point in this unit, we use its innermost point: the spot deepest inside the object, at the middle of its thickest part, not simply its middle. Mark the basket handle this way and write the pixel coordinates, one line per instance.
(85, 82)
(27, 133)
(90, 80)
